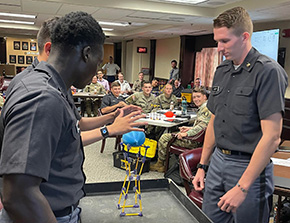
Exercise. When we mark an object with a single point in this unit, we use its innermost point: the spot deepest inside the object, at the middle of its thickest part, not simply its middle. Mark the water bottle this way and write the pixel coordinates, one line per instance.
(171, 106)
(184, 106)
(95, 90)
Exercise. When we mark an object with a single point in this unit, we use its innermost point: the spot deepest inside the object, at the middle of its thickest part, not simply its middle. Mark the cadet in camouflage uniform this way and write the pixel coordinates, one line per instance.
(143, 99)
(137, 86)
(163, 101)
(201, 122)
(97, 88)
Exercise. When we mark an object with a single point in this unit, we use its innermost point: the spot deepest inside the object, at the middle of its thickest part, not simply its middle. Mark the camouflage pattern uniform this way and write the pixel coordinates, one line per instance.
(137, 86)
(139, 99)
(161, 102)
(201, 122)
(95, 102)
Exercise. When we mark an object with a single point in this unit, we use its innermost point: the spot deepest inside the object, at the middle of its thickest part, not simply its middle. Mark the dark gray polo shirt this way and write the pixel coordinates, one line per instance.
(241, 98)
(42, 137)
(110, 100)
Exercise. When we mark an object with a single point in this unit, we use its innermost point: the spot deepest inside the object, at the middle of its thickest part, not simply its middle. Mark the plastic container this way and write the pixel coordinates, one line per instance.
(151, 150)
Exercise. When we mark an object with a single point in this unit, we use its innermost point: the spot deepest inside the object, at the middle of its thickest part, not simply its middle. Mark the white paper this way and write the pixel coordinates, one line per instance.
(281, 162)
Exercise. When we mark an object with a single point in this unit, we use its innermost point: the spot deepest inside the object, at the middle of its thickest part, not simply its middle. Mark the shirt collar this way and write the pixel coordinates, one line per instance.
(202, 106)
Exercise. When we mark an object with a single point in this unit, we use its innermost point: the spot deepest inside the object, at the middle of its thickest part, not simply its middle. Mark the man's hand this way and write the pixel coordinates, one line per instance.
(198, 181)
(127, 109)
(124, 124)
(180, 135)
(184, 129)
(232, 200)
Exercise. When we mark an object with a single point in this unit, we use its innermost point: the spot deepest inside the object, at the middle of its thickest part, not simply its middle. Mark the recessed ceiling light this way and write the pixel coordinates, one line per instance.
(17, 15)
(113, 23)
(107, 29)
(190, 2)
(17, 22)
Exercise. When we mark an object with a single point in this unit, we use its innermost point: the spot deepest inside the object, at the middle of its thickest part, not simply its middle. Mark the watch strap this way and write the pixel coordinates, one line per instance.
(202, 166)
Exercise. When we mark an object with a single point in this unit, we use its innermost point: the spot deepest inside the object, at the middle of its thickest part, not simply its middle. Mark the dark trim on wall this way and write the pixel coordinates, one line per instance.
(152, 59)
(3, 58)
(118, 53)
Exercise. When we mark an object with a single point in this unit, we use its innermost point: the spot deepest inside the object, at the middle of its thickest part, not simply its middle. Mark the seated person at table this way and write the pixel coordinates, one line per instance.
(125, 86)
(201, 122)
(143, 99)
(155, 87)
(93, 88)
(177, 88)
(103, 81)
(164, 100)
(113, 100)
(137, 86)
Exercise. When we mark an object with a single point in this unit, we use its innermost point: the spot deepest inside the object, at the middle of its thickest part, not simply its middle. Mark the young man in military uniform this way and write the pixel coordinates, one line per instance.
(113, 100)
(42, 149)
(164, 100)
(137, 86)
(143, 99)
(203, 116)
(93, 88)
(247, 103)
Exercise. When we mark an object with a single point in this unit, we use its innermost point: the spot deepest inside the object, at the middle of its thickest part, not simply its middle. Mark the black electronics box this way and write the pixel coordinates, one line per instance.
(119, 156)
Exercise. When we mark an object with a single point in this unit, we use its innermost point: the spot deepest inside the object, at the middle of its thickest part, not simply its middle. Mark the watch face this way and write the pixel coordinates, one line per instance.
(104, 131)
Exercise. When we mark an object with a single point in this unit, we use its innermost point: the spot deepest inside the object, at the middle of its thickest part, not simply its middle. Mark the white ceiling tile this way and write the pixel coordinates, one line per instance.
(40, 6)
(66, 8)
(111, 14)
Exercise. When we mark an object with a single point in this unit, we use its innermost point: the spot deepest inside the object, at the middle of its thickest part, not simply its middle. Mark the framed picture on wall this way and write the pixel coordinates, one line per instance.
(29, 59)
(32, 46)
(12, 59)
(16, 45)
(24, 45)
(145, 71)
(21, 59)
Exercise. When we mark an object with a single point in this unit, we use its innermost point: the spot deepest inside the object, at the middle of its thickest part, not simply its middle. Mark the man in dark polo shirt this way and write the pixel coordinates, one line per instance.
(113, 100)
(247, 104)
(42, 150)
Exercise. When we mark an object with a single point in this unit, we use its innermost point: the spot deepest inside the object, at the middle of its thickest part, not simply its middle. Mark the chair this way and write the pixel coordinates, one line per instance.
(188, 162)
(177, 149)
(118, 138)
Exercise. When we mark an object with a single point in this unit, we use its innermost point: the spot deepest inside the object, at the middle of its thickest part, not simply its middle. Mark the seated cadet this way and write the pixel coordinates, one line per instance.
(177, 88)
(125, 86)
(201, 122)
(137, 86)
(103, 81)
(143, 99)
(155, 87)
(113, 100)
(164, 100)
(93, 88)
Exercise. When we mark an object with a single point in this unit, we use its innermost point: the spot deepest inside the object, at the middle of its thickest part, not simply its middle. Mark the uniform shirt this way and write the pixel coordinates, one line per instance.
(139, 99)
(95, 88)
(177, 91)
(105, 83)
(155, 91)
(110, 100)
(161, 102)
(174, 73)
(241, 98)
(125, 86)
(137, 86)
(111, 69)
(202, 119)
(42, 137)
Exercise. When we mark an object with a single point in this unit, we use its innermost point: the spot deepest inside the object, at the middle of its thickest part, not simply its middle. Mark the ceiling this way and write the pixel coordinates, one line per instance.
(146, 19)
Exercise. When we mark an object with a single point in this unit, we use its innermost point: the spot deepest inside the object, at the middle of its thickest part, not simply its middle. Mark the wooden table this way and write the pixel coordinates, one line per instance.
(281, 179)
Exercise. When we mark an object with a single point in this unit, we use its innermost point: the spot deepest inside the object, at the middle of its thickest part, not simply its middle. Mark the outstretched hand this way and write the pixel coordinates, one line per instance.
(128, 109)
(126, 123)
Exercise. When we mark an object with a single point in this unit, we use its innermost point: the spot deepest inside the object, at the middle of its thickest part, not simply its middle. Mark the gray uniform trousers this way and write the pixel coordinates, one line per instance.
(223, 174)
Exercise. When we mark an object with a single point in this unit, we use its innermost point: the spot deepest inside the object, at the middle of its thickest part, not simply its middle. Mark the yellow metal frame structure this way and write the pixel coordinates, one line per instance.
(132, 176)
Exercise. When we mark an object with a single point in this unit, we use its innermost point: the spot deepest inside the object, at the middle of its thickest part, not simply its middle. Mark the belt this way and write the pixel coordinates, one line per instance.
(65, 211)
(233, 152)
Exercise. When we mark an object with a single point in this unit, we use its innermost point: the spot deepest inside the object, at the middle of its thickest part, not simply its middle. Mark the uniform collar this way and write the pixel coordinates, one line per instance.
(35, 62)
(56, 78)
(202, 106)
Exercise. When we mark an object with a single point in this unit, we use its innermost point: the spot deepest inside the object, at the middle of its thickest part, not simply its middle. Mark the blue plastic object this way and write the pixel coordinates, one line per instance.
(134, 138)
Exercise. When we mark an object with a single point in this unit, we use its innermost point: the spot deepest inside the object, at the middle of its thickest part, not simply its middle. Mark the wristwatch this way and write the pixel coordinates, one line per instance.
(202, 166)
(104, 132)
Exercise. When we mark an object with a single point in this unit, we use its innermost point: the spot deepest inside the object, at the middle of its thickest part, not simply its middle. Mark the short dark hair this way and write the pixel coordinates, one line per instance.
(115, 84)
(146, 82)
(200, 90)
(77, 28)
(236, 18)
(44, 33)
(174, 61)
(140, 73)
